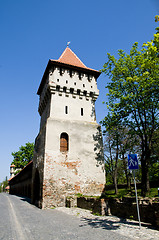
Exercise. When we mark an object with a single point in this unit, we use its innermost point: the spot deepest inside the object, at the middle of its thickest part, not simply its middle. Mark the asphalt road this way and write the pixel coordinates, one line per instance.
(19, 220)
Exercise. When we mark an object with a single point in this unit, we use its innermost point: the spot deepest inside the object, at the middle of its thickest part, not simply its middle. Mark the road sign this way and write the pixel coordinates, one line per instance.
(133, 162)
(133, 165)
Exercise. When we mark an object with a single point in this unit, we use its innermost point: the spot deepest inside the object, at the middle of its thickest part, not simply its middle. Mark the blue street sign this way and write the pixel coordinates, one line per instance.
(132, 161)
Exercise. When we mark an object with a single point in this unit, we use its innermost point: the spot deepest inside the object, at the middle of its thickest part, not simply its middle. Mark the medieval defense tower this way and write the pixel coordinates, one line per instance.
(68, 156)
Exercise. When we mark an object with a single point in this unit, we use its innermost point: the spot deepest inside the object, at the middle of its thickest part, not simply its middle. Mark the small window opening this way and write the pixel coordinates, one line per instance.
(83, 85)
(91, 94)
(64, 142)
(84, 93)
(58, 88)
(79, 74)
(61, 71)
(66, 109)
(57, 80)
(81, 111)
(71, 90)
(78, 91)
(70, 73)
(66, 81)
(74, 83)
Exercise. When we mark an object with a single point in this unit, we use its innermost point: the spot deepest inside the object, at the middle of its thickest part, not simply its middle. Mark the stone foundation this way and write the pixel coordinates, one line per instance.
(126, 208)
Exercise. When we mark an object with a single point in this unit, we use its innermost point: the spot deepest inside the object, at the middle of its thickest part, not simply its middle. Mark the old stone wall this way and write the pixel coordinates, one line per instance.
(79, 170)
(21, 183)
(38, 168)
(125, 208)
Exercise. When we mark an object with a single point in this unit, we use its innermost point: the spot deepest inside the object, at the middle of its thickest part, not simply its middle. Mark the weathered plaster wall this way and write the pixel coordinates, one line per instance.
(80, 170)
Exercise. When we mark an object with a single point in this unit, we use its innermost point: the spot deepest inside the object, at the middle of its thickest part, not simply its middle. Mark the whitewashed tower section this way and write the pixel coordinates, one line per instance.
(68, 156)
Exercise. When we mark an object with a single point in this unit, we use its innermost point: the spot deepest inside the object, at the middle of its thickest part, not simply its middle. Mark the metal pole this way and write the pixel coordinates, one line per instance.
(137, 200)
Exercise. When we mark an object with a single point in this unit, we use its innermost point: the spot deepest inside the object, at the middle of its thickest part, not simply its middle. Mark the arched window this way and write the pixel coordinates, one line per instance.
(64, 142)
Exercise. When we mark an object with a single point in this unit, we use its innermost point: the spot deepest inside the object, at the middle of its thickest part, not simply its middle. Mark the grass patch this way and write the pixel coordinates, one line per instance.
(129, 193)
(81, 195)
(96, 214)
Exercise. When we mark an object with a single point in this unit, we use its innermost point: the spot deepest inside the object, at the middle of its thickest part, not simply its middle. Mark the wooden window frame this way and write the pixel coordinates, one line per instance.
(64, 142)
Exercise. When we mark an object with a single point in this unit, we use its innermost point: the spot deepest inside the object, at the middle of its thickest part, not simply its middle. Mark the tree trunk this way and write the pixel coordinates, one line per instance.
(116, 169)
(126, 171)
(145, 159)
(115, 181)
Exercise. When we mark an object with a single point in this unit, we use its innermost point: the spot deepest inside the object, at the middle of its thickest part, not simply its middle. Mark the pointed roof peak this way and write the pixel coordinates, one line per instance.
(69, 57)
(70, 60)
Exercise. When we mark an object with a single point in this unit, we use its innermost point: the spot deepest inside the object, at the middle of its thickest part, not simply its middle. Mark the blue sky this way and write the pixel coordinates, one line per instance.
(32, 32)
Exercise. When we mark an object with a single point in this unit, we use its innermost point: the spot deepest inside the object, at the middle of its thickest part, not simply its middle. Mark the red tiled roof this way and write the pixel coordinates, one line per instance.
(12, 165)
(21, 170)
(69, 57)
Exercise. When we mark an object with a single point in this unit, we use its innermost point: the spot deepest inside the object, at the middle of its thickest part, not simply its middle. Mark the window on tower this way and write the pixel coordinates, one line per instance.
(78, 91)
(79, 74)
(66, 109)
(85, 93)
(70, 73)
(64, 142)
(71, 90)
(81, 111)
(64, 89)
(58, 88)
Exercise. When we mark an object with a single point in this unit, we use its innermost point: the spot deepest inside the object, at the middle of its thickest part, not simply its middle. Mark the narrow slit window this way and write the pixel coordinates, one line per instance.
(85, 93)
(58, 88)
(70, 73)
(79, 74)
(78, 91)
(61, 71)
(81, 111)
(71, 90)
(66, 109)
(64, 89)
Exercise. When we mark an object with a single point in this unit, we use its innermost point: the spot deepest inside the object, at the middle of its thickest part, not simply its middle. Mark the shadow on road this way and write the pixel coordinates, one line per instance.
(25, 199)
(110, 225)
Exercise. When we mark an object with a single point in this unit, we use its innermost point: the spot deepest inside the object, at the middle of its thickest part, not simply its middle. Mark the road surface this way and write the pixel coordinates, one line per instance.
(19, 220)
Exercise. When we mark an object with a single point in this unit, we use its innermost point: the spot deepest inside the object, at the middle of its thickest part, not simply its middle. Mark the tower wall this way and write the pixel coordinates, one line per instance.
(80, 170)
(67, 108)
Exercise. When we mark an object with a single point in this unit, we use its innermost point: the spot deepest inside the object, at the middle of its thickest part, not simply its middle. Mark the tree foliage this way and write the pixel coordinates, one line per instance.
(133, 97)
(23, 156)
(3, 185)
(118, 143)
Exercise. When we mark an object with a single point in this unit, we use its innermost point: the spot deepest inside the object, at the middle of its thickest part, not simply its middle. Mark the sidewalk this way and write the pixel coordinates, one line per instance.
(127, 228)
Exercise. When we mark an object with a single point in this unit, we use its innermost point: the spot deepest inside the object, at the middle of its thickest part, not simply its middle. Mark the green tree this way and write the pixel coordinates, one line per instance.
(118, 143)
(133, 96)
(111, 148)
(154, 161)
(23, 156)
(3, 185)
